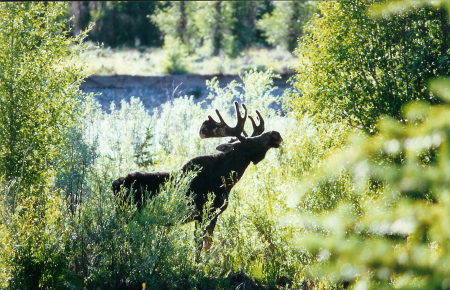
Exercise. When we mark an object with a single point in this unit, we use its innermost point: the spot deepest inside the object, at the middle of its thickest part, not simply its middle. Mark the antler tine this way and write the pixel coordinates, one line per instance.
(257, 130)
(221, 119)
(241, 120)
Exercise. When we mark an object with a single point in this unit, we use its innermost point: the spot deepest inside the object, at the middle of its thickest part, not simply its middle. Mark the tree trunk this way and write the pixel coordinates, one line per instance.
(216, 31)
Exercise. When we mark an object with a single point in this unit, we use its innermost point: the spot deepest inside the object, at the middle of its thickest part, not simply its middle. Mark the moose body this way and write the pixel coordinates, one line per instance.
(140, 182)
(217, 174)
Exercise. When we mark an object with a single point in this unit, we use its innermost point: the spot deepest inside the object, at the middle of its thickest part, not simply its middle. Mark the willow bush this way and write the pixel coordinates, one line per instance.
(39, 96)
(399, 236)
(119, 247)
(354, 68)
(372, 208)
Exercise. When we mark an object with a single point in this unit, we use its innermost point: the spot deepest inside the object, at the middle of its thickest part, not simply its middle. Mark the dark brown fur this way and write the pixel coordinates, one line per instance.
(141, 182)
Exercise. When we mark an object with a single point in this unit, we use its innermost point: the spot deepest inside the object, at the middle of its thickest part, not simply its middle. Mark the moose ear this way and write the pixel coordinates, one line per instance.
(225, 147)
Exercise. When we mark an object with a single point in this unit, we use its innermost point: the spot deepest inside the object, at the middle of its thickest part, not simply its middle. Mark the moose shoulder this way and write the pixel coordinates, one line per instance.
(218, 173)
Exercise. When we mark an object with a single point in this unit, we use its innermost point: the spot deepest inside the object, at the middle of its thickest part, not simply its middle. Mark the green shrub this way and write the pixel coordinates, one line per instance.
(176, 53)
(33, 235)
(371, 164)
(39, 96)
(354, 68)
(120, 247)
(399, 237)
(39, 88)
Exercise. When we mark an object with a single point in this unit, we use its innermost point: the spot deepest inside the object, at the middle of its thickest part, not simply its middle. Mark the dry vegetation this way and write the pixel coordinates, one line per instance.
(151, 62)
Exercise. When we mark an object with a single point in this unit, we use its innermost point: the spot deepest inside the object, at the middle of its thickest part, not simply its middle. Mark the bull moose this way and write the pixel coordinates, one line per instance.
(217, 174)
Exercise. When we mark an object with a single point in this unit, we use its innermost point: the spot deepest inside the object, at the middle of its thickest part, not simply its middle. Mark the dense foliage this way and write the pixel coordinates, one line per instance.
(207, 26)
(39, 87)
(355, 68)
(190, 32)
(284, 25)
(350, 199)
(398, 234)
(39, 96)
(379, 200)
(117, 23)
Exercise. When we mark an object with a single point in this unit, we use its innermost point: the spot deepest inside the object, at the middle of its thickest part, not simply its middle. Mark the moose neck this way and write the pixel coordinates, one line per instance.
(238, 159)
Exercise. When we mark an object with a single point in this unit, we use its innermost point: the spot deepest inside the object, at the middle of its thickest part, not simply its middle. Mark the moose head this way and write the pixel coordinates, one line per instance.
(256, 145)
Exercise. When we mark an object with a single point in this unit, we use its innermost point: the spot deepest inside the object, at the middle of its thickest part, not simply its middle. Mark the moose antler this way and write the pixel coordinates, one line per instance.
(257, 130)
(211, 128)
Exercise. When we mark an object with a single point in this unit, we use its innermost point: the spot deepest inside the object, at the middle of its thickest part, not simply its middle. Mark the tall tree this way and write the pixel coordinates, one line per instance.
(117, 23)
(246, 15)
(80, 11)
(172, 19)
(284, 25)
(211, 27)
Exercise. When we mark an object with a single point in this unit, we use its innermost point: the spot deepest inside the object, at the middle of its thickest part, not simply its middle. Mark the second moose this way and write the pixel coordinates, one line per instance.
(218, 173)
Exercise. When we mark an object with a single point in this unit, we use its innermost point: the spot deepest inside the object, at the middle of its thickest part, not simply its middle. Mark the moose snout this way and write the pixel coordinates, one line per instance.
(278, 142)
(276, 139)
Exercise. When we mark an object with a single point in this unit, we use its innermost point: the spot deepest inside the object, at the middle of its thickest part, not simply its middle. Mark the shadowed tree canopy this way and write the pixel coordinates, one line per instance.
(116, 22)
(204, 27)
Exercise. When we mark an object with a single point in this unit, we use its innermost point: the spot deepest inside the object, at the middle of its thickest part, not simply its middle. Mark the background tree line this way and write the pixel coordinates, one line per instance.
(206, 27)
